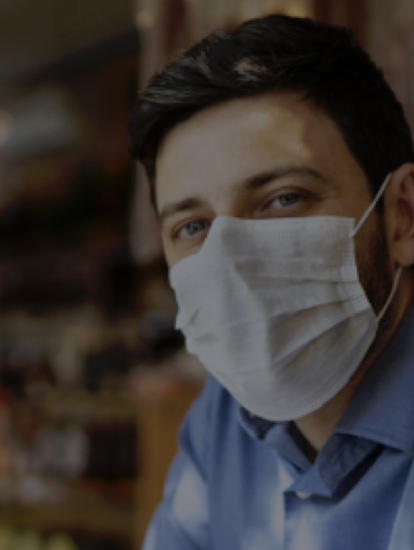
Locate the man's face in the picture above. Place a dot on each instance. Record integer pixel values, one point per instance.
(274, 156)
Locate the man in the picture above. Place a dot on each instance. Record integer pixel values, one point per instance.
(282, 172)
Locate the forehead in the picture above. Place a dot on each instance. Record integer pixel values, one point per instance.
(224, 144)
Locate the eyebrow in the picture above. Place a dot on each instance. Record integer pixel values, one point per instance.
(258, 180)
(180, 206)
(249, 184)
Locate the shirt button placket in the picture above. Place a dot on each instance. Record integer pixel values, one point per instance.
(296, 528)
(303, 495)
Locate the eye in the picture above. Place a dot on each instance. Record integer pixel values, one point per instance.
(190, 229)
(285, 203)
(288, 199)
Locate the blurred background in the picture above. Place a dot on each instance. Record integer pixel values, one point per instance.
(93, 377)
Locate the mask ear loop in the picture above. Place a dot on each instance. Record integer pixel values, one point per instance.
(391, 294)
(371, 206)
(358, 227)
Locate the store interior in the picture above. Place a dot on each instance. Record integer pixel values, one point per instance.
(94, 378)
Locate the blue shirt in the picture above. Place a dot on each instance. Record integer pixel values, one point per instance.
(242, 483)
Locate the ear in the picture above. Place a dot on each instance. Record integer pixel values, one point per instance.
(399, 215)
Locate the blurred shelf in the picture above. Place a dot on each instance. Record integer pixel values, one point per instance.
(110, 507)
(83, 405)
(107, 520)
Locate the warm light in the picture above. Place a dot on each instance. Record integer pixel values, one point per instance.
(145, 18)
(296, 9)
(254, 8)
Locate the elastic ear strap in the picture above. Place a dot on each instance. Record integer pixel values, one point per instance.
(391, 295)
(371, 206)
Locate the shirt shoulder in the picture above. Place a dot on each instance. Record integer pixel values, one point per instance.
(183, 518)
(211, 415)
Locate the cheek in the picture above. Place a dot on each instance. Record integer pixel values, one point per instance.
(168, 254)
(373, 261)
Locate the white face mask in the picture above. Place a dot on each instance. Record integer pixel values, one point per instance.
(275, 311)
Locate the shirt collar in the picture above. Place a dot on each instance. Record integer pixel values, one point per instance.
(382, 409)
(255, 426)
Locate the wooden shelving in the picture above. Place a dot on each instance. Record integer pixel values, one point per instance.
(102, 508)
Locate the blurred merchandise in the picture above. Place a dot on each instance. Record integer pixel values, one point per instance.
(39, 123)
(60, 541)
(16, 539)
(82, 453)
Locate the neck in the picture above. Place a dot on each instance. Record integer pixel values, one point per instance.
(318, 426)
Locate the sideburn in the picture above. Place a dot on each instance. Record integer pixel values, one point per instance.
(375, 269)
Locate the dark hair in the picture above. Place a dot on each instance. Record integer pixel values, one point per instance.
(279, 54)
